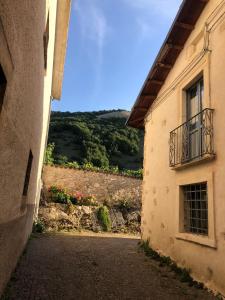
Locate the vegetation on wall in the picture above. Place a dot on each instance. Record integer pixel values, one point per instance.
(90, 167)
(61, 195)
(104, 218)
(86, 137)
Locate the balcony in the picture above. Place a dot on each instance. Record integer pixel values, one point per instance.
(193, 140)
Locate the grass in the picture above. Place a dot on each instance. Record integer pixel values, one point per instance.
(183, 274)
(38, 226)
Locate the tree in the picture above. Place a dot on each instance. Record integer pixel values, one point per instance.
(48, 159)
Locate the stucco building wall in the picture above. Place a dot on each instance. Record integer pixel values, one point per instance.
(205, 256)
(23, 119)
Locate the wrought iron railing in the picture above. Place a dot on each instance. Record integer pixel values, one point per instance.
(193, 139)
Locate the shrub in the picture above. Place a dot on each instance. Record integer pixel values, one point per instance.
(124, 204)
(88, 200)
(112, 170)
(38, 226)
(59, 195)
(104, 218)
(61, 160)
(49, 160)
(73, 164)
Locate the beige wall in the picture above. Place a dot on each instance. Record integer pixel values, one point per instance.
(205, 256)
(23, 119)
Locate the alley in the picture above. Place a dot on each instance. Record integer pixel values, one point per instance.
(66, 266)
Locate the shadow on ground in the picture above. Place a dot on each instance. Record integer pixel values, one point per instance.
(66, 266)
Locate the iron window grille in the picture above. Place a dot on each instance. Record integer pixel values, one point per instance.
(193, 139)
(195, 208)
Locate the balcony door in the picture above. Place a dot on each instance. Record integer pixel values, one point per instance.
(194, 120)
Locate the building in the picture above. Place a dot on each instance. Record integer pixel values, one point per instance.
(33, 38)
(181, 106)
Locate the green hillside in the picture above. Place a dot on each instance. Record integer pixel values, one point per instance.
(103, 141)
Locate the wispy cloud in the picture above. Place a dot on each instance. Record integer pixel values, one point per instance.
(93, 23)
(94, 30)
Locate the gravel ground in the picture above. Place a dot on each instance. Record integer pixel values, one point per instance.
(69, 266)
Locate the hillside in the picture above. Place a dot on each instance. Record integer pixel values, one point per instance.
(98, 137)
(124, 114)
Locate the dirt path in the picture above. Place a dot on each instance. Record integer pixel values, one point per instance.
(65, 266)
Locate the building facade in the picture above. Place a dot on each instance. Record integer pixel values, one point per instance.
(33, 37)
(181, 106)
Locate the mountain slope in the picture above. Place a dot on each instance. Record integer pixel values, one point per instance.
(88, 137)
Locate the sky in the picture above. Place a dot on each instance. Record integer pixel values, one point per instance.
(111, 47)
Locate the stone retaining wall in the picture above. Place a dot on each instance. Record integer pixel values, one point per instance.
(105, 187)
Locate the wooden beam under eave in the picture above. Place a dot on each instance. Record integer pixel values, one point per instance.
(173, 46)
(154, 81)
(136, 120)
(149, 96)
(142, 109)
(165, 66)
(185, 25)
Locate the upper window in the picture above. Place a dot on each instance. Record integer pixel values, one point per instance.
(194, 121)
(195, 99)
(193, 140)
(27, 176)
(195, 208)
(3, 83)
(46, 40)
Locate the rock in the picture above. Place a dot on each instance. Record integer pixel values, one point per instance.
(117, 220)
(57, 216)
(87, 210)
(133, 216)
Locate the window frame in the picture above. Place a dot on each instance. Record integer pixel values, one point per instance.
(193, 178)
(195, 208)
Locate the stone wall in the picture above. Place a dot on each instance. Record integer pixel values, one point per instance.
(105, 187)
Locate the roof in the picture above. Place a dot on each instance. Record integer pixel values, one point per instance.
(183, 25)
(61, 34)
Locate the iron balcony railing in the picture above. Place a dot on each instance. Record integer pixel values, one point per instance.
(193, 139)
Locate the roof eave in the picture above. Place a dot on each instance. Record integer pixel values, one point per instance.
(138, 122)
(61, 36)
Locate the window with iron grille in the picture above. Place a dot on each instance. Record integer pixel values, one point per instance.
(195, 208)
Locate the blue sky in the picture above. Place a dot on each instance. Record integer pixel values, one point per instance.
(111, 47)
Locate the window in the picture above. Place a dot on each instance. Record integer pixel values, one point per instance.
(195, 208)
(3, 83)
(192, 141)
(45, 41)
(27, 177)
(194, 120)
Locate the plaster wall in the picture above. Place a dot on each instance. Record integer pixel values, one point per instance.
(205, 256)
(23, 119)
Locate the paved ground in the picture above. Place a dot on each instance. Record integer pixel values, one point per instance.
(93, 267)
